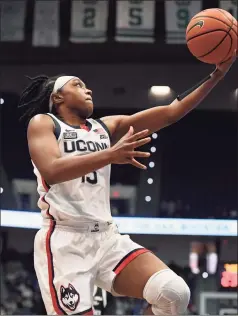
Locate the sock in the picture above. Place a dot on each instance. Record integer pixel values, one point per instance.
(193, 262)
(212, 260)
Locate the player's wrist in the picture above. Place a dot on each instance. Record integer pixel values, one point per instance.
(111, 155)
(217, 75)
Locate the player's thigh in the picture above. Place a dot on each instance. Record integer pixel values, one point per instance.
(126, 267)
(133, 278)
(65, 283)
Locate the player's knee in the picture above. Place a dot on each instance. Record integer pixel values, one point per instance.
(167, 293)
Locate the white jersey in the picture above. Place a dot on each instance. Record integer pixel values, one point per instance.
(82, 199)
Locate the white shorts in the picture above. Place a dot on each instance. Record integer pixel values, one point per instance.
(70, 260)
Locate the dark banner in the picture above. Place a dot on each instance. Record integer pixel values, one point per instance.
(98, 30)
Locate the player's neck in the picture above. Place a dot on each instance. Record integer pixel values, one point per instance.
(71, 118)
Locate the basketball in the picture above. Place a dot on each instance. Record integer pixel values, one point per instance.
(212, 36)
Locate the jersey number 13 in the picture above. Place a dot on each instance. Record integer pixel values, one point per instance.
(91, 178)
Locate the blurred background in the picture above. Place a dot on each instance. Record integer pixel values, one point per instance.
(133, 55)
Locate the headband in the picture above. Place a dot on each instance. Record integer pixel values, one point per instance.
(59, 83)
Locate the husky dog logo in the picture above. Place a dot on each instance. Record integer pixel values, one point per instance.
(96, 228)
(69, 297)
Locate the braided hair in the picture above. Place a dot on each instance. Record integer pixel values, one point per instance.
(35, 98)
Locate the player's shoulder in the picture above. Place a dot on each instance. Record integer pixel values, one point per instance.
(40, 121)
(112, 122)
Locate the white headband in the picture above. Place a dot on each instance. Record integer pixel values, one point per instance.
(59, 83)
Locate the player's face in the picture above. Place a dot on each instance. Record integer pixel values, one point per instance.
(78, 97)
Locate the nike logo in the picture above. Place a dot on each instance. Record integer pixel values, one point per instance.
(199, 23)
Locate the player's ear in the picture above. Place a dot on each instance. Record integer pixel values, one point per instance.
(57, 98)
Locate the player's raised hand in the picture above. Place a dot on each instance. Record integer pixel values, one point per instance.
(123, 152)
(223, 68)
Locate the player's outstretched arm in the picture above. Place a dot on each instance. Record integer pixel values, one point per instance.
(161, 116)
(45, 153)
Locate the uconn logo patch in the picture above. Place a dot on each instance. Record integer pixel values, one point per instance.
(70, 135)
(69, 297)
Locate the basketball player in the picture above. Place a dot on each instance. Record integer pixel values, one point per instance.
(79, 246)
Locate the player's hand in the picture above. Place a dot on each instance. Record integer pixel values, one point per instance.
(223, 68)
(123, 152)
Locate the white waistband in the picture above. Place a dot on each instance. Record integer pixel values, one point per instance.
(79, 226)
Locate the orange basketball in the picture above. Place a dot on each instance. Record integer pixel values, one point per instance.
(212, 36)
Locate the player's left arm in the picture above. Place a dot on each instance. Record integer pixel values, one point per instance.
(159, 117)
